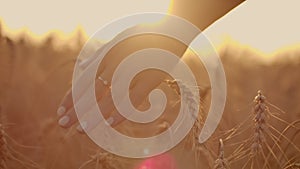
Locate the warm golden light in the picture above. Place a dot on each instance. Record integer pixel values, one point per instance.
(260, 25)
(40, 17)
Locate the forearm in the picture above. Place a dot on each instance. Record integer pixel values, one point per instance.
(202, 13)
(199, 12)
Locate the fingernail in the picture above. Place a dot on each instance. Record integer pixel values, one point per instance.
(82, 126)
(110, 121)
(61, 110)
(64, 121)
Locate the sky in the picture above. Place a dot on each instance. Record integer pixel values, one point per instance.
(263, 24)
(40, 16)
(266, 25)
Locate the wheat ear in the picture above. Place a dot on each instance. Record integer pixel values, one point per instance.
(264, 148)
(191, 95)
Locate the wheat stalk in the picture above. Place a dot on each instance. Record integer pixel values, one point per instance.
(221, 162)
(264, 148)
(104, 160)
(8, 154)
(3, 148)
(191, 95)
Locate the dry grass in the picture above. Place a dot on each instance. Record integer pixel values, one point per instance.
(35, 76)
(3, 148)
(267, 145)
(103, 160)
(221, 162)
(9, 156)
(190, 95)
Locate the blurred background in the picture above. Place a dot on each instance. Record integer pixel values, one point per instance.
(259, 49)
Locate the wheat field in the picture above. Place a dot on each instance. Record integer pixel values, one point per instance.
(259, 129)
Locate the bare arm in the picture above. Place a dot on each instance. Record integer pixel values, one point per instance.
(199, 12)
(202, 13)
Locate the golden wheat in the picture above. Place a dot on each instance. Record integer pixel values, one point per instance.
(264, 148)
(104, 160)
(3, 148)
(191, 95)
(221, 162)
(8, 155)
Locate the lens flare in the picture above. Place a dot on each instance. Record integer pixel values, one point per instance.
(164, 161)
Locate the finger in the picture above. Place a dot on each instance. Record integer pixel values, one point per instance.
(105, 101)
(87, 109)
(85, 102)
(68, 119)
(82, 83)
(164, 121)
(143, 86)
(66, 103)
(91, 120)
(138, 98)
(106, 104)
(115, 118)
(139, 92)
